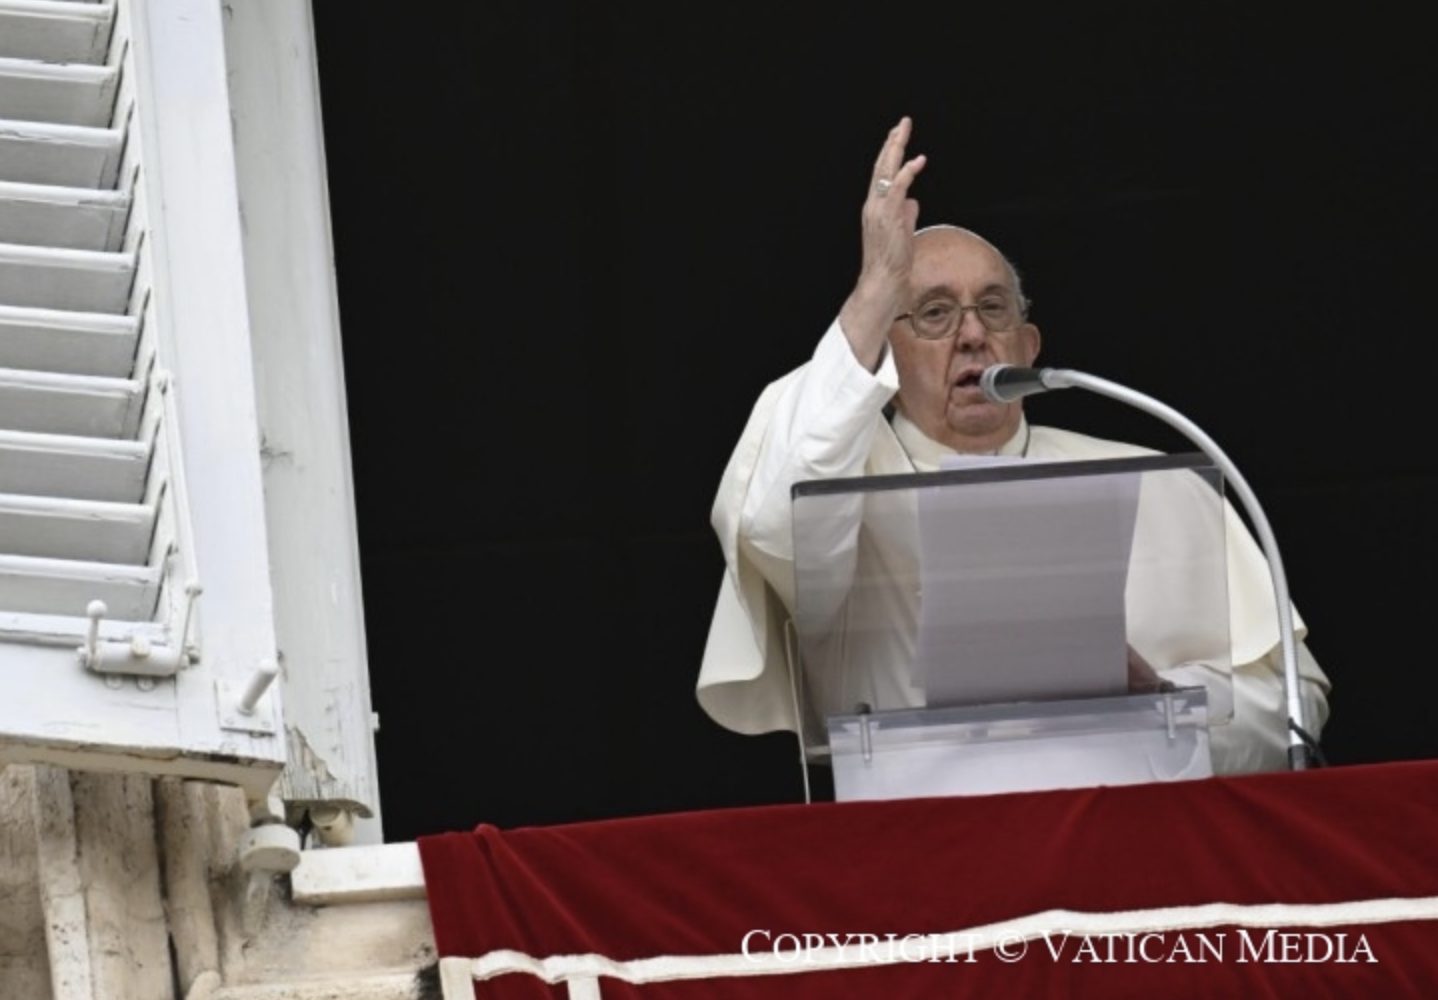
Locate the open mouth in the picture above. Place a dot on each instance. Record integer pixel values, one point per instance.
(968, 377)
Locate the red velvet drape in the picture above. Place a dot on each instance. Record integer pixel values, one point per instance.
(696, 883)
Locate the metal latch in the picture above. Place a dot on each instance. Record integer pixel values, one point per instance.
(137, 656)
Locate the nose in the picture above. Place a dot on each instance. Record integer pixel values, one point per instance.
(971, 334)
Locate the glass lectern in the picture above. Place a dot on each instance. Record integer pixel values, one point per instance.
(1013, 625)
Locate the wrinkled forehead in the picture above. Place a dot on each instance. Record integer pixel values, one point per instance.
(947, 256)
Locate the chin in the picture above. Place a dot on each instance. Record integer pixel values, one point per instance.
(979, 420)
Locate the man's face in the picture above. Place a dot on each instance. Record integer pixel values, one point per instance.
(939, 379)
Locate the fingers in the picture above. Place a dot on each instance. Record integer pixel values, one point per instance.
(889, 197)
(891, 156)
(889, 218)
(906, 175)
(892, 174)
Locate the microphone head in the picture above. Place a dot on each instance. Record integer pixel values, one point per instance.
(1004, 383)
(988, 382)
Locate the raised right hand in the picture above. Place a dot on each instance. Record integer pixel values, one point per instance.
(889, 217)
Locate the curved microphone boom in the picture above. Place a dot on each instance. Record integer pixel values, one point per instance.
(1006, 383)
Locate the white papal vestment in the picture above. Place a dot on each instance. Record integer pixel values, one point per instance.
(826, 420)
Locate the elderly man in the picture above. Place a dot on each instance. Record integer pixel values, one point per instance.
(930, 310)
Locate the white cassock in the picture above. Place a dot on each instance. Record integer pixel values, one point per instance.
(826, 420)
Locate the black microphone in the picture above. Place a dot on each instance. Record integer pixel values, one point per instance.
(1006, 383)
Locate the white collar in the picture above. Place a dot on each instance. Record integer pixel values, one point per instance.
(927, 455)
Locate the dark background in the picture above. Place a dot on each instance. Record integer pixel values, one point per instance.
(574, 243)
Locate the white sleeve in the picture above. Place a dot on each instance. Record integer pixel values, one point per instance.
(817, 422)
(1256, 738)
(822, 427)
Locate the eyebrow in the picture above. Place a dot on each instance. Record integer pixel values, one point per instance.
(949, 290)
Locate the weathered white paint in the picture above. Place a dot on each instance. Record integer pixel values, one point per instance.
(45, 153)
(92, 858)
(54, 30)
(55, 711)
(299, 368)
(51, 216)
(62, 93)
(365, 874)
(210, 446)
(183, 250)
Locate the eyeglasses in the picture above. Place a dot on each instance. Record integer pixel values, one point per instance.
(940, 318)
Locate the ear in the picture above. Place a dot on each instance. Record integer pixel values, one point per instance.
(1029, 343)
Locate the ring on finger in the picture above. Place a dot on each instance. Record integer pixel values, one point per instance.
(882, 185)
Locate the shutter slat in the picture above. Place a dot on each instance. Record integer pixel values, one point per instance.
(40, 153)
(53, 465)
(74, 218)
(71, 280)
(88, 530)
(60, 93)
(82, 405)
(55, 31)
(65, 587)
(50, 340)
(72, 524)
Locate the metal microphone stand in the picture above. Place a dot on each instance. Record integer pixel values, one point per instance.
(1300, 742)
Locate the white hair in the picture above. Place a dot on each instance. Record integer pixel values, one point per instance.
(1008, 264)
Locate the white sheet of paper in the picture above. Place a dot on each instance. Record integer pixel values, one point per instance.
(1022, 587)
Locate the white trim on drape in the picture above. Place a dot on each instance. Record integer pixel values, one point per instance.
(581, 972)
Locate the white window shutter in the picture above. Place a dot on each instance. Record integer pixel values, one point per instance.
(74, 524)
(129, 445)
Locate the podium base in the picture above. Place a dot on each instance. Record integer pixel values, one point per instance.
(1029, 746)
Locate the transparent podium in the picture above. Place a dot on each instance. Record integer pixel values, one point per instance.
(1012, 625)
